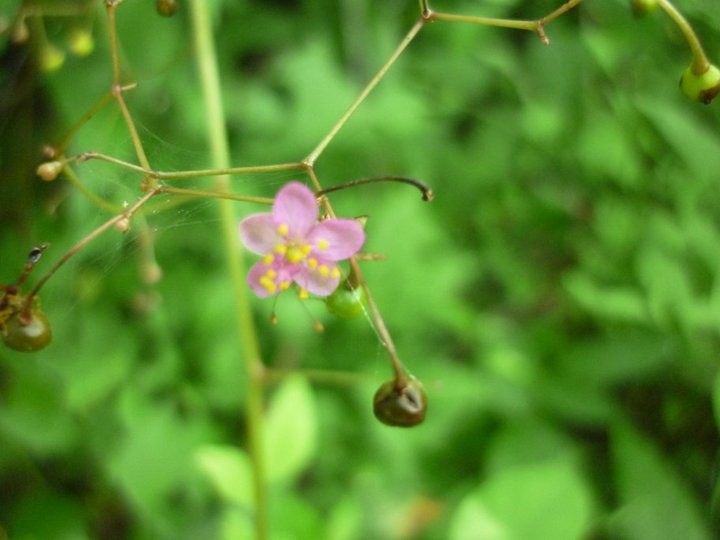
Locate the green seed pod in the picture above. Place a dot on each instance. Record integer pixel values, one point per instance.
(403, 406)
(703, 87)
(29, 335)
(641, 7)
(166, 8)
(346, 302)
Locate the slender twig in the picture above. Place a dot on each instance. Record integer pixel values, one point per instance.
(127, 214)
(427, 193)
(700, 62)
(183, 175)
(215, 195)
(537, 26)
(312, 157)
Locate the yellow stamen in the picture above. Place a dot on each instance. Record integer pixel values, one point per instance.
(335, 272)
(303, 294)
(324, 270)
(280, 249)
(295, 255)
(323, 244)
(282, 229)
(268, 259)
(268, 284)
(284, 285)
(306, 249)
(271, 273)
(312, 263)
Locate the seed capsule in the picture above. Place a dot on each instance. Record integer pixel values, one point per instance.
(347, 302)
(27, 334)
(166, 8)
(703, 87)
(400, 406)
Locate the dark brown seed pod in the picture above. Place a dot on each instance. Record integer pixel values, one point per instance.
(400, 403)
(27, 333)
(166, 8)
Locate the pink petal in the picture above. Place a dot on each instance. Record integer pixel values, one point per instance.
(295, 206)
(282, 273)
(336, 239)
(317, 282)
(259, 233)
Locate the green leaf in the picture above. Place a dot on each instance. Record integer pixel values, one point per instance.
(547, 500)
(228, 469)
(290, 430)
(656, 504)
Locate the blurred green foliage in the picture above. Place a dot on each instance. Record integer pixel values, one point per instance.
(560, 298)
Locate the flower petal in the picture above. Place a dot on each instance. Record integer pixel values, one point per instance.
(268, 279)
(321, 280)
(259, 233)
(336, 239)
(296, 207)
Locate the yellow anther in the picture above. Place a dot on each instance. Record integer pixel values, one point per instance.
(335, 272)
(295, 255)
(323, 244)
(303, 294)
(268, 259)
(312, 263)
(324, 270)
(306, 249)
(282, 229)
(271, 273)
(268, 284)
(284, 285)
(280, 249)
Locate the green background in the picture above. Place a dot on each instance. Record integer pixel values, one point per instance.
(560, 298)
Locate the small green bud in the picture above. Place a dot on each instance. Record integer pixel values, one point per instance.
(641, 7)
(51, 58)
(27, 332)
(81, 42)
(703, 87)
(346, 302)
(401, 406)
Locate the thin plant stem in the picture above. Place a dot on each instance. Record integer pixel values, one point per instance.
(127, 214)
(77, 184)
(700, 62)
(92, 111)
(537, 26)
(182, 175)
(217, 133)
(313, 156)
(427, 193)
(215, 195)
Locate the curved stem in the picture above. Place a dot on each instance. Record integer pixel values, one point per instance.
(427, 193)
(217, 133)
(215, 195)
(700, 62)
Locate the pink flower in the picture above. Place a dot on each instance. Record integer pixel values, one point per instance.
(296, 247)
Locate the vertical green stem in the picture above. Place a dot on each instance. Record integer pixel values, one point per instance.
(217, 133)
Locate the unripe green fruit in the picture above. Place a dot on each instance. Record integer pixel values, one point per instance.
(703, 87)
(29, 335)
(641, 7)
(346, 302)
(402, 406)
(166, 8)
